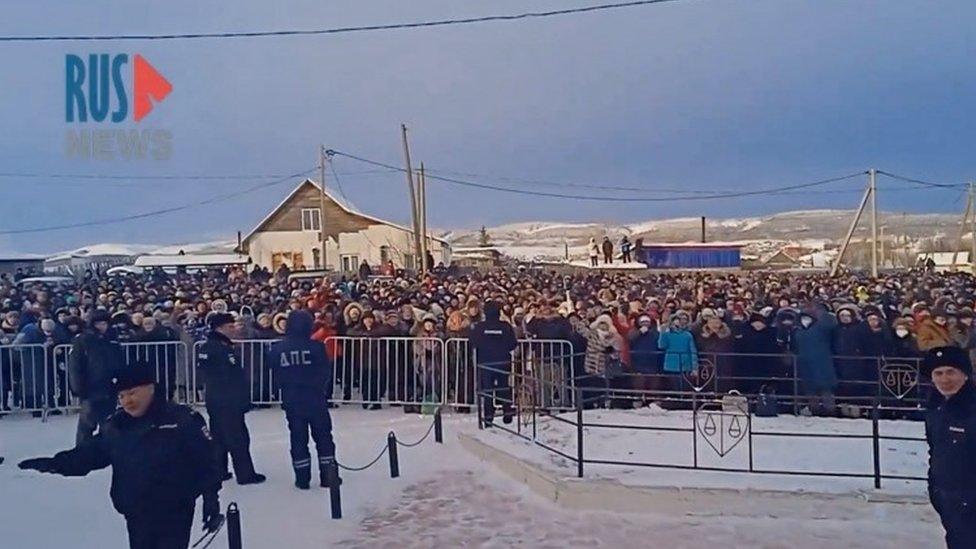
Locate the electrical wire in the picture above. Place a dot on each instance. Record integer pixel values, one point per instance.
(149, 177)
(923, 182)
(156, 213)
(336, 30)
(606, 198)
(644, 190)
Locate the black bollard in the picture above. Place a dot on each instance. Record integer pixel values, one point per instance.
(438, 428)
(335, 498)
(233, 526)
(391, 446)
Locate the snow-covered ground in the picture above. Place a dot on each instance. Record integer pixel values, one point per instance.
(445, 497)
(770, 453)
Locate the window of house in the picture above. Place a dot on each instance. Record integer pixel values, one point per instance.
(311, 219)
(349, 263)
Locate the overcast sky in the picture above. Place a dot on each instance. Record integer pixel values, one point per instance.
(697, 95)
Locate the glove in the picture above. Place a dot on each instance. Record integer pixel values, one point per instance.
(42, 465)
(212, 518)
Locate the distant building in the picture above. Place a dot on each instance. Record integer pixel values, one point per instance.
(96, 257)
(291, 235)
(10, 263)
(482, 257)
(784, 258)
(691, 256)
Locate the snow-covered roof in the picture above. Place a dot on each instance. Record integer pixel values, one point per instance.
(345, 205)
(102, 250)
(190, 259)
(733, 244)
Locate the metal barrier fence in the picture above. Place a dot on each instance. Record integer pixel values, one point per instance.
(26, 379)
(406, 371)
(417, 371)
(713, 423)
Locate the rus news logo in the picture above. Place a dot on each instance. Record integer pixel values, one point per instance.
(104, 91)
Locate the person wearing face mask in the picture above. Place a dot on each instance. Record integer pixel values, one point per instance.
(903, 343)
(933, 331)
(815, 367)
(644, 354)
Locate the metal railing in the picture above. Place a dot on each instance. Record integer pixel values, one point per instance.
(27, 380)
(712, 423)
(407, 371)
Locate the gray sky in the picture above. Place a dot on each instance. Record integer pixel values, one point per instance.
(697, 95)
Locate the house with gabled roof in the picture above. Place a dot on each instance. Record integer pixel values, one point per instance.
(291, 234)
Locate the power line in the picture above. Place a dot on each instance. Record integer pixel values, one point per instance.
(156, 213)
(645, 190)
(607, 198)
(923, 182)
(166, 177)
(336, 30)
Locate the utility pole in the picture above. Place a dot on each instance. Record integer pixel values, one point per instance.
(882, 229)
(962, 229)
(874, 223)
(703, 229)
(423, 220)
(322, 236)
(850, 231)
(413, 196)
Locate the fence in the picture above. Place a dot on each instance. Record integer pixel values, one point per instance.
(417, 371)
(396, 370)
(711, 422)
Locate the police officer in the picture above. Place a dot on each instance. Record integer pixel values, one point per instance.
(950, 428)
(96, 358)
(303, 372)
(162, 460)
(227, 399)
(493, 341)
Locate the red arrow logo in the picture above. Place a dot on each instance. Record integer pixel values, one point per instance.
(149, 85)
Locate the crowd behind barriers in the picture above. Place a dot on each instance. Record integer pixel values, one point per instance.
(647, 331)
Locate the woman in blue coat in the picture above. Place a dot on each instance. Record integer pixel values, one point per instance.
(678, 344)
(815, 366)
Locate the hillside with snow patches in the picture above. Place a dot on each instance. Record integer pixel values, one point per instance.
(809, 228)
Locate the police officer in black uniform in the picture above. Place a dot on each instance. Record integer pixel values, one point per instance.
(494, 340)
(303, 372)
(227, 399)
(950, 428)
(96, 359)
(162, 460)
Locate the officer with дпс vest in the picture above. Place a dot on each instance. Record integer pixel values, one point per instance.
(950, 429)
(303, 372)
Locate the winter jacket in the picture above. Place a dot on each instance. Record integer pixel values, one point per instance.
(493, 340)
(223, 377)
(602, 346)
(301, 368)
(645, 358)
(680, 352)
(930, 335)
(813, 347)
(95, 361)
(950, 429)
(161, 462)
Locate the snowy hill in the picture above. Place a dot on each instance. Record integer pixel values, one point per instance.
(809, 228)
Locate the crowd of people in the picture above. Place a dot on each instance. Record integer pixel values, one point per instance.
(649, 331)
